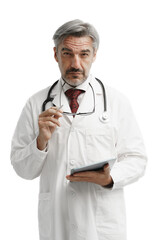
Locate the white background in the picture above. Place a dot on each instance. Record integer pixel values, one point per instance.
(128, 59)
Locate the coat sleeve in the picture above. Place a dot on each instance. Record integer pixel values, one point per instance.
(26, 158)
(131, 155)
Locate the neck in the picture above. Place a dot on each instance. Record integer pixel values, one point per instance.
(68, 83)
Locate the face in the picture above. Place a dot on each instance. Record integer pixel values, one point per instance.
(75, 56)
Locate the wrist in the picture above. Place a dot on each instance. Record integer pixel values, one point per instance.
(109, 183)
(41, 143)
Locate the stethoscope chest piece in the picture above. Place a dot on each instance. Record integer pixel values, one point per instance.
(104, 117)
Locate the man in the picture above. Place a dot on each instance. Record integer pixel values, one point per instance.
(86, 205)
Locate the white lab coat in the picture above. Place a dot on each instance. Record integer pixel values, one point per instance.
(80, 210)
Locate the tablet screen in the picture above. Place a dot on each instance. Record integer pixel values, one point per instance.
(94, 167)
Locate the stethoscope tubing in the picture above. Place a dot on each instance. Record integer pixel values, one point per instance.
(104, 95)
(49, 99)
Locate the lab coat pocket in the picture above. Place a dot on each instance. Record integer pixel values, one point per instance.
(44, 215)
(100, 144)
(110, 213)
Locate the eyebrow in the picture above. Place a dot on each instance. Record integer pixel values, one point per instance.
(66, 49)
(69, 50)
(86, 50)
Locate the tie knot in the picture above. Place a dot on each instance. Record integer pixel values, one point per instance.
(73, 93)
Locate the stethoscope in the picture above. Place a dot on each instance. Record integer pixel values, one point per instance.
(103, 118)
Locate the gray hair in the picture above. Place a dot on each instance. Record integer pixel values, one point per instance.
(76, 28)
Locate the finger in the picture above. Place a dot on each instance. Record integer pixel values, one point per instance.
(51, 119)
(47, 124)
(57, 115)
(58, 109)
(106, 167)
(79, 179)
(50, 112)
(88, 174)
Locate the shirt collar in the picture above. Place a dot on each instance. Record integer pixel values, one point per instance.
(82, 86)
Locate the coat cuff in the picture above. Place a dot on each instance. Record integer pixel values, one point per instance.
(40, 153)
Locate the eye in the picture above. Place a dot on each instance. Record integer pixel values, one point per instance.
(66, 53)
(84, 54)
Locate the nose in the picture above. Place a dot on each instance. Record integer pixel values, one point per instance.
(75, 62)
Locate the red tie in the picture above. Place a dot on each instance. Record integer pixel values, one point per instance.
(72, 95)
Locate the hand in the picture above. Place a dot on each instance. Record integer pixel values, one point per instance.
(101, 177)
(48, 121)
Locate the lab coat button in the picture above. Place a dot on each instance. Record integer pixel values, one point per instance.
(73, 194)
(72, 162)
(74, 226)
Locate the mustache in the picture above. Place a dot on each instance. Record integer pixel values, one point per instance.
(74, 70)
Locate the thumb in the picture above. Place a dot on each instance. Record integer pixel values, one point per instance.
(106, 167)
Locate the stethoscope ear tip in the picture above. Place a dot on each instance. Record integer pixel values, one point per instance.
(104, 117)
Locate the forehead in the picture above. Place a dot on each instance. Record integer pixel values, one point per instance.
(77, 43)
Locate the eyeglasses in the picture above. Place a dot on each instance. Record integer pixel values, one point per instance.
(79, 113)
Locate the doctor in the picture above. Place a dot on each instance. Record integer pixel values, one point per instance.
(87, 205)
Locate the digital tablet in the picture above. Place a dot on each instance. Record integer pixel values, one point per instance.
(94, 167)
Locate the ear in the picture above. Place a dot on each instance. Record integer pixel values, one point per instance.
(55, 54)
(94, 55)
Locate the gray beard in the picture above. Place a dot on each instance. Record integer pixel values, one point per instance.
(70, 83)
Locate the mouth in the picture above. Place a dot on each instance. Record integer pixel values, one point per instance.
(75, 73)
